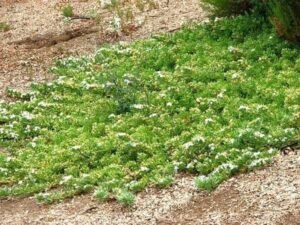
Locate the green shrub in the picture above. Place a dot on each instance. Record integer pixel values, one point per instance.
(285, 16)
(101, 194)
(227, 7)
(67, 11)
(4, 26)
(126, 198)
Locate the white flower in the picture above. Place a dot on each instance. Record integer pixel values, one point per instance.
(212, 146)
(271, 150)
(33, 144)
(126, 81)
(111, 116)
(188, 145)
(153, 115)
(289, 130)
(144, 169)
(27, 115)
(133, 144)
(109, 84)
(243, 107)
(169, 104)
(138, 106)
(120, 134)
(199, 100)
(3, 170)
(116, 23)
(202, 178)
(162, 95)
(14, 135)
(259, 134)
(43, 104)
(65, 179)
(220, 95)
(231, 141)
(190, 165)
(76, 147)
(258, 162)
(198, 138)
(160, 74)
(208, 120)
(235, 75)
(225, 166)
(232, 49)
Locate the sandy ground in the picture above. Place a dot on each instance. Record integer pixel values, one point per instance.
(268, 196)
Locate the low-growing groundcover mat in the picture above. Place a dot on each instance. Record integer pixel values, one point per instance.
(215, 99)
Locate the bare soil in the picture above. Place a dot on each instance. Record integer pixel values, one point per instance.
(39, 36)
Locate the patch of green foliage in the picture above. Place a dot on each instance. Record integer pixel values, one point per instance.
(215, 100)
(4, 26)
(227, 7)
(285, 16)
(67, 11)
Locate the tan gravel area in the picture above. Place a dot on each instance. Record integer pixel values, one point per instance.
(268, 196)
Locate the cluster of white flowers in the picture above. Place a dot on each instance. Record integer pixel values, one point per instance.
(138, 106)
(160, 74)
(243, 107)
(153, 115)
(225, 166)
(44, 104)
(144, 169)
(27, 115)
(212, 146)
(65, 179)
(116, 24)
(221, 94)
(289, 130)
(187, 145)
(235, 76)
(109, 84)
(76, 147)
(111, 116)
(198, 138)
(121, 134)
(258, 162)
(191, 165)
(259, 134)
(208, 121)
(203, 178)
(133, 144)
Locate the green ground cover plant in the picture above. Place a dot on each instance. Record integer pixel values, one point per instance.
(67, 11)
(214, 99)
(4, 27)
